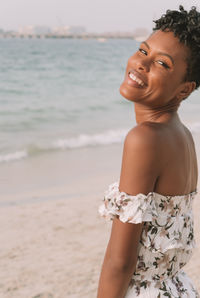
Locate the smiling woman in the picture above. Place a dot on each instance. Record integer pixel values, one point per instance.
(159, 66)
(152, 234)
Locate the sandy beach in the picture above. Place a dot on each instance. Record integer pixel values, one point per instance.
(62, 124)
(52, 237)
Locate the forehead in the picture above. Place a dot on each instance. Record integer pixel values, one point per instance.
(167, 43)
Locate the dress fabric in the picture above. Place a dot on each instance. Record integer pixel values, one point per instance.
(166, 243)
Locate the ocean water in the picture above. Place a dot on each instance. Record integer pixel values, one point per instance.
(63, 94)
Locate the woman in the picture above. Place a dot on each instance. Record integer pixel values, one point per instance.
(151, 207)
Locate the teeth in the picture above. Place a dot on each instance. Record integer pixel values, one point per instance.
(134, 78)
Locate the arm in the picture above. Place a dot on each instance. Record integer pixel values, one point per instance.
(138, 175)
(117, 270)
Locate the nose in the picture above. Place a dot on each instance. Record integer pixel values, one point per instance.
(143, 64)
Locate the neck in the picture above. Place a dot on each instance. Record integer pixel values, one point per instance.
(164, 114)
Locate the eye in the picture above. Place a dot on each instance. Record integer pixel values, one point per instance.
(143, 51)
(162, 63)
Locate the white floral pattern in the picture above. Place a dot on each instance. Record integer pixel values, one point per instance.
(166, 243)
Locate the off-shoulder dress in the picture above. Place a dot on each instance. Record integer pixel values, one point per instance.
(166, 243)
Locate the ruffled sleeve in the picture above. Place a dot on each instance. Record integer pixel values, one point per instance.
(132, 209)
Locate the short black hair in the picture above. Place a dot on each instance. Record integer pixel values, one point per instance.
(186, 26)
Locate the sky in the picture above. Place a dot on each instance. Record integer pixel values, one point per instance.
(95, 15)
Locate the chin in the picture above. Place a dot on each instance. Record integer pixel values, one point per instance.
(126, 93)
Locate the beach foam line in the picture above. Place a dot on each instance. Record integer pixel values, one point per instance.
(83, 140)
(13, 156)
(86, 140)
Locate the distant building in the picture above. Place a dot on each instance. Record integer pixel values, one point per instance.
(61, 30)
(68, 30)
(34, 30)
(42, 30)
(140, 34)
(26, 30)
(77, 30)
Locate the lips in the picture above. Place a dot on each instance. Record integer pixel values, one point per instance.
(136, 79)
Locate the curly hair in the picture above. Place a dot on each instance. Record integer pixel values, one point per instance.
(186, 26)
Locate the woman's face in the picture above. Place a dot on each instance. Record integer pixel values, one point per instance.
(155, 73)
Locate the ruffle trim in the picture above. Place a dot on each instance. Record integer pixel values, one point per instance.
(132, 209)
(163, 234)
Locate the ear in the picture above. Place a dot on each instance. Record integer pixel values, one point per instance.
(186, 90)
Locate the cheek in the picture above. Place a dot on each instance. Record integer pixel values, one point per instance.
(157, 83)
(161, 80)
(164, 88)
(160, 86)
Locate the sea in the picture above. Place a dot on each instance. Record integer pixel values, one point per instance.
(63, 95)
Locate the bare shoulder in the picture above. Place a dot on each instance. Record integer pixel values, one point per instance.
(146, 135)
(141, 161)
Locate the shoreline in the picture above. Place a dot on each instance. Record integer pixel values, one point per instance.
(70, 173)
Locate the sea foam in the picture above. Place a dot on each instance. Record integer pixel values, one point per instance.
(87, 140)
(13, 156)
(80, 141)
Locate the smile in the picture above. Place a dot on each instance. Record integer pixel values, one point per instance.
(135, 79)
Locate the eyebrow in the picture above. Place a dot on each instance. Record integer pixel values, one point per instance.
(160, 53)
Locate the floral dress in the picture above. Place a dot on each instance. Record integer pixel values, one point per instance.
(166, 242)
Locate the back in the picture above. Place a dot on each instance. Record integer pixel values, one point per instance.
(179, 171)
